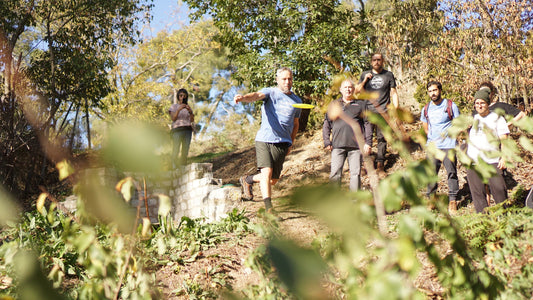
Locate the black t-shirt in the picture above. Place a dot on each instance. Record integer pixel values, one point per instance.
(342, 135)
(381, 83)
(508, 108)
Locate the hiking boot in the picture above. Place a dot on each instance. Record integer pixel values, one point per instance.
(363, 171)
(452, 207)
(380, 170)
(247, 189)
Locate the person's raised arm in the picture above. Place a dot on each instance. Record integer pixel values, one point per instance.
(361, 85)
(248, 98)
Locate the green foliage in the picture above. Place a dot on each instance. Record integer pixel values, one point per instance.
(505, 237)
(450, 40)
(364, 262)
(148, 77)
(56, 56)
(316, 39)
(98, 248)
(270, 286)
(193, 236)
(376, 266)
(69, 249)
(133, 146)
(300, 269)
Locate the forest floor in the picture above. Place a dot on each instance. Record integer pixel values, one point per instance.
(308, 163)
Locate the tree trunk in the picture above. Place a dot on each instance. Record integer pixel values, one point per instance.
(526, 99)
(72, 134)
(61, 128)
(88, 124)
(8, 116)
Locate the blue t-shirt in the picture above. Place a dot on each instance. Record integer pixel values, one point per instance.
(438, 124)
(277, 116)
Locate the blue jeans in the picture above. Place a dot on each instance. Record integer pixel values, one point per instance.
(338, 156)
(181, 140)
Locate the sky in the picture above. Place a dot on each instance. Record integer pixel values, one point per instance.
(167, 15)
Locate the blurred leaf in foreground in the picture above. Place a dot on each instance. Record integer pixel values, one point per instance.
(300, 269)
(33, 283)
(8, 209)
(102, 202)
(135, 147)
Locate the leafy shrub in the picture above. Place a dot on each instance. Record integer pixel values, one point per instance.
(103, 262)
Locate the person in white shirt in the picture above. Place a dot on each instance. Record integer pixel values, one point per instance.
(483, 145)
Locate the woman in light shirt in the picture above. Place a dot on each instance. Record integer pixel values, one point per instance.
(483, 145)
(182, 128)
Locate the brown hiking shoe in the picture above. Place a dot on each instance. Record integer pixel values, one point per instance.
(247, 189)
(452, 207)
(380, 170)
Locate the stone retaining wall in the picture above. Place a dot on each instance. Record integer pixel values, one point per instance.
(192, 189)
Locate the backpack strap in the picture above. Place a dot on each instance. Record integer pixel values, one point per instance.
(426, 112)
(449, 110)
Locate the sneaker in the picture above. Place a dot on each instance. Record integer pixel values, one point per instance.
(247, 190)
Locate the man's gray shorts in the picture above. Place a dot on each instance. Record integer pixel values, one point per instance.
(271, 155)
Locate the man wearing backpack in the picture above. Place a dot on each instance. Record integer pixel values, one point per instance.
(436, 118)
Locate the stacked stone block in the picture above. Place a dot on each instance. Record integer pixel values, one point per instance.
(192, 189)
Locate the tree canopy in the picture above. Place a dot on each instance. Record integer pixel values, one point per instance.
(54, 59)
(316, 39)
(460, 43)
(148, 76)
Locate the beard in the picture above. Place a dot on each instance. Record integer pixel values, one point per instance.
(436, 98)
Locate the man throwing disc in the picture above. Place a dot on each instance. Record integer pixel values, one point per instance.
(276, 135)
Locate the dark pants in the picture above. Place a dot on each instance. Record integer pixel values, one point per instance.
(382, 144)
(477, 188)
(451, 170)
(181, 140)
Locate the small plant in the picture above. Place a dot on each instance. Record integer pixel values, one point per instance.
(505, 237)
